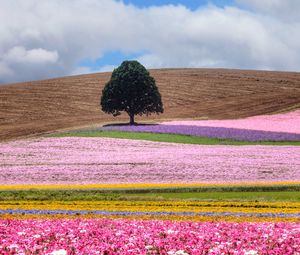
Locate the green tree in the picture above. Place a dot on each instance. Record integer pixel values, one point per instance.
(131, 89)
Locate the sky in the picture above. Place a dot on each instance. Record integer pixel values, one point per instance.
(53, 38)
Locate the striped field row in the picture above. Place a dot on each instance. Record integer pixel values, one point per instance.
(145, 185)
(252, 207)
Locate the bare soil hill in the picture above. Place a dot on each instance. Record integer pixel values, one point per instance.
(37, 107)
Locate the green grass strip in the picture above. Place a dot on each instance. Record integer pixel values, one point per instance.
(229, 196)
(290, 193)
(173, 138)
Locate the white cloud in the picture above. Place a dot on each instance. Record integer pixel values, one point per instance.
(40, 56)
(287, 10)
(230, 37)
(87, 70)
(50, 38)
(107, 68)
(81, 70)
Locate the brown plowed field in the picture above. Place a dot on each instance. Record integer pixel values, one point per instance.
(42, 106)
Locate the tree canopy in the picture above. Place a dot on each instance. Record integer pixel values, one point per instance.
(131, 89)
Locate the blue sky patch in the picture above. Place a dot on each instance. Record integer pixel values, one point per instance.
(191, 4)
(110, 58)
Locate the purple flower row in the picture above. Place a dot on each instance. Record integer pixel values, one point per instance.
(212, 132)
(126, 213)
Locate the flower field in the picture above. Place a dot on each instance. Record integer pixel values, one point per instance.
(283, 123)
(280, 127)
(81, 160)
(149, 227)
(212, 132)
(131, 237)
(108, 196)
(140, 208)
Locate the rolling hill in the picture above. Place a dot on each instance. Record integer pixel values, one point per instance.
(37, 107)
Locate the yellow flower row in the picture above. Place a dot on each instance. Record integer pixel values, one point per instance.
(157, 206)
(198, 218)
(141, 185)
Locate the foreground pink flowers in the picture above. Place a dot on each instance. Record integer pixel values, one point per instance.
(285, 122)
(132, 237)
(79, 160)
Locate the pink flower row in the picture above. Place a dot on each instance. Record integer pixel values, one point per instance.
(285, 122)
(132, 237)
(79, 160)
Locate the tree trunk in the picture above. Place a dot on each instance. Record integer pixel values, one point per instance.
(131, 119)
